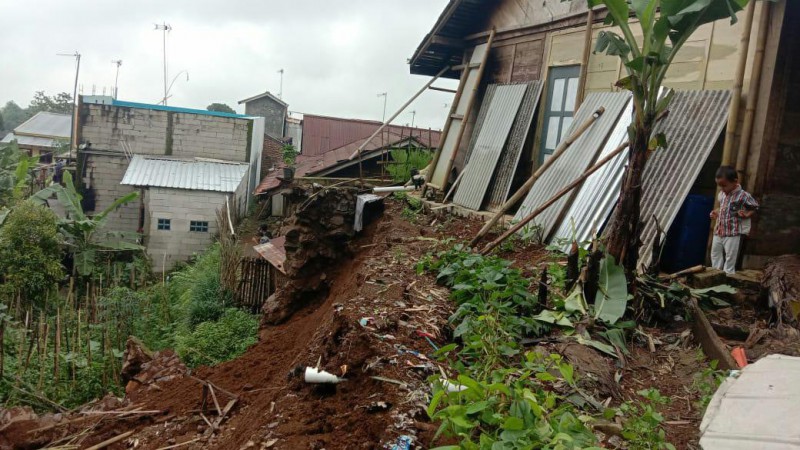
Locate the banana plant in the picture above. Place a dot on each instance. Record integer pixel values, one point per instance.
(81, 230)
(15, 167)
(665, 25)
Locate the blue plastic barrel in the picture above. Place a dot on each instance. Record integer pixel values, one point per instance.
(687, 238)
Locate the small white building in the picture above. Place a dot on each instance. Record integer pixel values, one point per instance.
(179, 202)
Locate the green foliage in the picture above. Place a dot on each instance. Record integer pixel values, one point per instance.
(13, 116)
(405, 159)
(81, 231)
(413, 206)
(707, 382)
(220, 107)
(60, 103)
(289, 154)
(15, 174)
(30, 253)
(642, 421)
(214, 342)
(612, 292)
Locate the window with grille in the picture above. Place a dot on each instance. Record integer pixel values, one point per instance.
(198, 226)
(164, 224)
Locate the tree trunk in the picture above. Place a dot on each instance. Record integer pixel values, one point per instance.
(623, 232)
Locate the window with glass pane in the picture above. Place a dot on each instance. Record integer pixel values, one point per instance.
(164, 224)
(562, 93)
(198, 226)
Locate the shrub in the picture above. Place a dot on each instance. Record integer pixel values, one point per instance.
(30, 253)
(215, 342)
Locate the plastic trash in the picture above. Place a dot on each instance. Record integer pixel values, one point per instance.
(402, 443)
(314, 375)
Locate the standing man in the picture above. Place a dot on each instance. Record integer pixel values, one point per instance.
(736, 207)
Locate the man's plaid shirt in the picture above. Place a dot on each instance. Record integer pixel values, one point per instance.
(729, 223)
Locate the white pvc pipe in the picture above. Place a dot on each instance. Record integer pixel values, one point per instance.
(378, 190)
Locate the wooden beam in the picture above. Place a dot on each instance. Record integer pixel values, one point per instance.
(436, 88)
(736, 91)
(705, 335)
(447, 41)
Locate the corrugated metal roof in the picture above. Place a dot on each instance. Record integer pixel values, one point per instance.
(502, 110)
(756, 410)
(274, 252)
(196, 174)
(322, 134)
(31, 140)
(46, 124)
(509, 160)
(579, 157)
(693, 126)
(599, 193)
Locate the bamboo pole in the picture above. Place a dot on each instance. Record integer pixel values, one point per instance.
(455, 184)
(467, 111)
(554, 199)
(57, 344)
(736, 91)
(752, 95)
(394, 116)
(587, 53)
(523, 190)
(110, 441)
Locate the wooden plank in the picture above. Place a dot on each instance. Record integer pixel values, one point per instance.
(528, 58)
(705, 335)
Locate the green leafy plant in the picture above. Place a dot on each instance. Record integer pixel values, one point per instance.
(30, 253)
(666, 25)
(214, 342)
(403, 160)
(642, 421)
(289, 154)
(706, 383)
(81, 231)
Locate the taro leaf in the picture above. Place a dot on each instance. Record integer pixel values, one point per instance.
(612, 292)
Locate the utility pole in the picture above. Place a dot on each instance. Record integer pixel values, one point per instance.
(165, 28)
(77, 57)
(280, 92)
(384, 95)
(118, 62)
(413, 116)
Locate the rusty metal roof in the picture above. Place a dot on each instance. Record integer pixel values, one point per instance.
(274, 252)
(577, 158)
(322, 134)
(501, 109)
(694, 124)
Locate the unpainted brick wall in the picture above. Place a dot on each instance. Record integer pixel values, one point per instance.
(272, 155)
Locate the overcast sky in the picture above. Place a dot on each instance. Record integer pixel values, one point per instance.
(337, 54)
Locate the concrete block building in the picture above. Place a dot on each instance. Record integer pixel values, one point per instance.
(272, 109)
(180, 200)
(114, 134)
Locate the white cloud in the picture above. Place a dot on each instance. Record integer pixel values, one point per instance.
(337, 54)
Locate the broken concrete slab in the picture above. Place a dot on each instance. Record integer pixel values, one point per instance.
(757, 409)
(707, 279)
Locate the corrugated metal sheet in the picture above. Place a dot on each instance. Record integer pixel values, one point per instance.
(579, 157)
(197, 174)
(599, 193)
(692, 127)
(439, 176)
(322, 134)
(45, 124)
(502, 109)
(509, 160)
(31, 141)
(274, 252)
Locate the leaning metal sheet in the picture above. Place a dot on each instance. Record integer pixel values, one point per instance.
(599, 193)
(578, 157)
(489, 145)
(693, 126)
(448, 148)
(509, 160)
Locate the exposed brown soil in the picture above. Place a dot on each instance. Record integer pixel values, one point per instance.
(378, 287)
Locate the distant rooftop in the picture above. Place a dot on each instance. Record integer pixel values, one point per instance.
(41, 130)
(124, 104)
(265, 94)
(195, 174)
